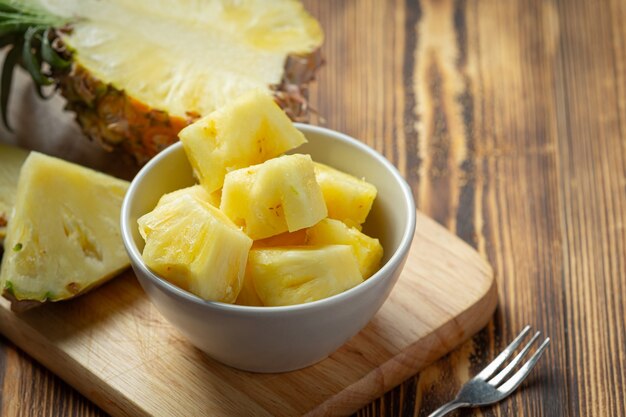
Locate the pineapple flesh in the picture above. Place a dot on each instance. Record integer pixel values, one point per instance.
(11, 160)
(136, 72)
(347, 197)
(367, 250)
(247, 132)
(274, 197)
(190, 243)
(64, 237)
(297, 275)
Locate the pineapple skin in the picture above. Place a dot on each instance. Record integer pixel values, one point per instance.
(114, 120)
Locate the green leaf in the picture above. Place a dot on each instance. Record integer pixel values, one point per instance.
(30, 57)
(5, 81)
(50, 55)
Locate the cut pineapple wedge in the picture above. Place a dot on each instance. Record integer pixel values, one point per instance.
(348, 198)
(195, 246)
(296, 275)
(11, 160)
(368, 251)
(64, 237)
(249, 131)
(276, 196)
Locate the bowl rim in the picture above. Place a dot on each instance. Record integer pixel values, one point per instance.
(394, 261)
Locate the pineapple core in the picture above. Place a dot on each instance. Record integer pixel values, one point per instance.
(249, 131)
(348, 198)
(297, 275)
(196, 247)
(276, 196)
(64, 237)
(368, 251)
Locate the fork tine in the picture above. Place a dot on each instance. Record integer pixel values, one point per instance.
(523, 372)
(503, 356)
(495, 381)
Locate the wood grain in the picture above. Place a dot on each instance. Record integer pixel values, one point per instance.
(507, 118)
(114, 346)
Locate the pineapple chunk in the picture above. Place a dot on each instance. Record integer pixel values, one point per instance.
(249, 131)
(368, 251)
(297, 238)
(11, 160)
(64, 235)
(195, 246)
(197, 191)
(248, 295)
(348, 198)
(287, 276)
(276, 196)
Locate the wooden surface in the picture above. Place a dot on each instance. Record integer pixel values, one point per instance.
(115, 348)
(507, 118)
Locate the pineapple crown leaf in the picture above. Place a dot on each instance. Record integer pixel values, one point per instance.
(31, 34)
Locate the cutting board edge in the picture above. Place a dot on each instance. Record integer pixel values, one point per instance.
(365, 391)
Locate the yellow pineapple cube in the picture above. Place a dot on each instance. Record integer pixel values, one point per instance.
(297, 238)
(197, 191)
(348, 198)
(64, 236)
(249, 131)
(296, 275)
(368, 250)
(276, 196)
(195, 246)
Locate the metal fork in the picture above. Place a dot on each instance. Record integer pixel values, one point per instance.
(485, 388)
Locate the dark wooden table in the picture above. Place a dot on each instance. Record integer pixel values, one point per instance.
(507, 118)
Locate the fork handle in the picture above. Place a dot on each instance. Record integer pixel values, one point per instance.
(446, 408)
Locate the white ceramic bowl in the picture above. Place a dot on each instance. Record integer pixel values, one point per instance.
(278, 339)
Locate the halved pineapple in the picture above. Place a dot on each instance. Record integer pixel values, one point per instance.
(368, 250)
(348, 198)
(249, 131)
(136, 72)
(276, 196)
(64, 237)
(296, 275)
(195, 246)
(11, 160)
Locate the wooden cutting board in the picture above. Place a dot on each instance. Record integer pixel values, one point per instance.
(116, 349)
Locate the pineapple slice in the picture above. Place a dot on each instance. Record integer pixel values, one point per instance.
(296, 275)
(247, 132)
(195, 246)
(11, 160)
(368, 251)
(276, 196)
(64, 236)
(348, 198)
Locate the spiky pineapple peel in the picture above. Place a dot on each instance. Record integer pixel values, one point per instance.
(135, 73)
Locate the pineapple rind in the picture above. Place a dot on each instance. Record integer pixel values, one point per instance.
(249, 131)
(297, 275)
(68, 245)
(347, 197)
(192, 244)
(367, 250)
